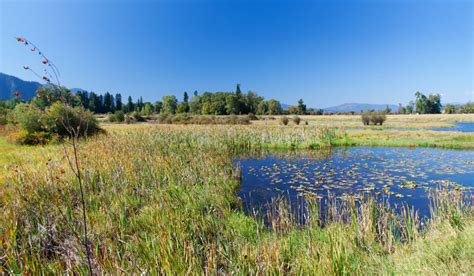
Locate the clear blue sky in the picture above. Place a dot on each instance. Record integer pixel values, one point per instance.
(326, 52)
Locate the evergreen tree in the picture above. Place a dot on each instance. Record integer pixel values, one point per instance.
(107, 103)
(130, 106)
(238, 92)
(118, 101)
(301, 107)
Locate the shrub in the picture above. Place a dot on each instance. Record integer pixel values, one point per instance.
(62, 119)
(3, 115)
(377, 118)
(111, 117)
(366, 118)
(182, 118)
(128, 119)
(29, 117)
(119, 116)
(252, 117)
(137, 117)
(296, 120)
(164, 118)
(284, 120)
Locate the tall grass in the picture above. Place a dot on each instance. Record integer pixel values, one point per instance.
(161, 199)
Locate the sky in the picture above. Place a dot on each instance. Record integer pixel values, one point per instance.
(326, 52)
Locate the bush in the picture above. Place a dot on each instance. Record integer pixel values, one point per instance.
(128, 120)
(34, 126)
(365, 118)
(119, 116)
(252, 117)
(296, 120)
(29, 117)
(63, 119)
(137, 117)
(164, 118)
(377, 118)
(284, 120)
(111, 117)
(3, 115)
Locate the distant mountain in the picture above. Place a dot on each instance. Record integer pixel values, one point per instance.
(9, 85)
(357, 107)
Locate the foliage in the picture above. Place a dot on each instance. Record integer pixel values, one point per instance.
(161, 200)
(428, 105)
(46, 96)
(366, 118)
(376, 118)
(296, 120)
(169, 104)
(63, 119)
(34, 124)
(450, 109)
(467, 108)
(187, 119)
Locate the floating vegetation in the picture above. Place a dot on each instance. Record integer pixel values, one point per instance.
(404, 175)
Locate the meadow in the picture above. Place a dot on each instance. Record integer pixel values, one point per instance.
(162, 199)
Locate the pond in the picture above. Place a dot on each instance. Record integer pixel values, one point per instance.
(460, 126)
(399, 175)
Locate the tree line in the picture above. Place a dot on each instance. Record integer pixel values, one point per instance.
(207, 103)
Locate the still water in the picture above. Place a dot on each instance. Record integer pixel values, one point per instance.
(399, 175)
(461, 126)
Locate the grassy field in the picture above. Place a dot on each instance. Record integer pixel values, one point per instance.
(425, 121)
(161, 198)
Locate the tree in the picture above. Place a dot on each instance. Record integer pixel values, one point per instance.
(468, 108)
(46, 96)
(232, 104)
(301, 107)
(182, 107)
(108, 103)
(262, 108)
(147, 109)
(449, 109)
(410, 107)
(238, 92)
(387, 110)
(401, 109)
(252, 100)
(94, 102)
(274, 107)
(195, 105)
(158, 106)
(83, 98)
(434, 101)
(428, 105)
(185, 104)
(118, 101)
(169, 104)
(130, 106)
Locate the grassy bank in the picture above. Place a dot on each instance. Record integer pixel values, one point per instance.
(412, 121)
(162, 199)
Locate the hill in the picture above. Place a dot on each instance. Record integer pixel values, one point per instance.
(10, 84)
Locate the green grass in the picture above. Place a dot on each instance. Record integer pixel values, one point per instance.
(161, 199)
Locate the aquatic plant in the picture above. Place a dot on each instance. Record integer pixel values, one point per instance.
(161, 199)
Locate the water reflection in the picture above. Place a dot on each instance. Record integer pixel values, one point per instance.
(399, 175)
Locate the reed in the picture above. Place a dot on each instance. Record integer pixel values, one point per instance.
(161, 199)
